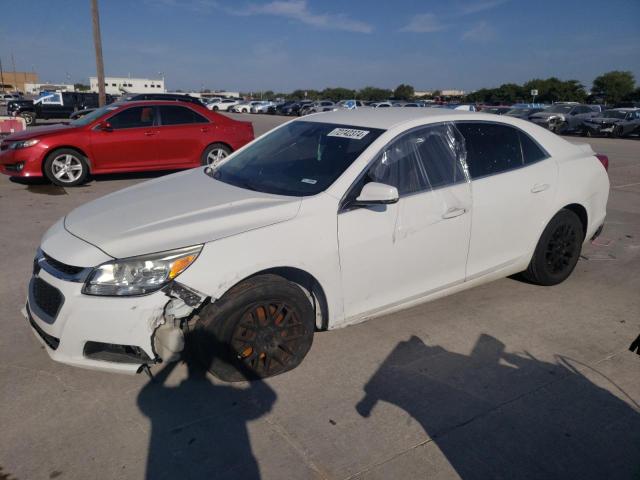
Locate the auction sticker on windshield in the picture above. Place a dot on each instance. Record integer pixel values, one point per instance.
(348, 133)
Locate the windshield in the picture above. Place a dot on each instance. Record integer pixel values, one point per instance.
(559, 109)
(613, 114)
(91, 116)
(298, 159)
(521, 111)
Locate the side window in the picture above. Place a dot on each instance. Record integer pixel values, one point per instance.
(421, 160)
(133, 117)
(531, 152)
(176, 115)
(491, 148)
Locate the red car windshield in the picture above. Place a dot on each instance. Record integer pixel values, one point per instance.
(92, 116)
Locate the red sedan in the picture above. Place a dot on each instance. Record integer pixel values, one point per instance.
(124, 137)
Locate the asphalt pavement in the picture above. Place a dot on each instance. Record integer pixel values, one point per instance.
(507, 380)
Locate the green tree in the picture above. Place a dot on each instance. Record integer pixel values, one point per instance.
(338, 94)
(81, 87)
(614, 86)
(555, 90)
(374, 93)
(404, 92)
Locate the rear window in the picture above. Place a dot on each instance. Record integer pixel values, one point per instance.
(491, 148)
(298, 159)
(176, 115)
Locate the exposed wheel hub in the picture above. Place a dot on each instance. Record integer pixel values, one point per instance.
(267, 335)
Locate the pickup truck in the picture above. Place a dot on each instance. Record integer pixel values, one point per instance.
(53, 105)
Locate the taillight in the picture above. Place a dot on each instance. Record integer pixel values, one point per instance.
(604, 160)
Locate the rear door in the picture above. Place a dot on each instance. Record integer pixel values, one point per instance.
(183, 135)
(130, 144)
(513, 186)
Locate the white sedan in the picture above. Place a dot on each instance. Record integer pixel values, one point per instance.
(222, 104)
(324, 222)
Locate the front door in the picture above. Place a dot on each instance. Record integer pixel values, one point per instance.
(130, 143)
(390, 254)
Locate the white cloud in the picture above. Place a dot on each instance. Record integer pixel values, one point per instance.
(480, 32)
(299, 10)
(424, 23)
(479, 6)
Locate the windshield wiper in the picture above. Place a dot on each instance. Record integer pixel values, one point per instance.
(216, 175)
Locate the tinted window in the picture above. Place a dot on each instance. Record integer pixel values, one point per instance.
(179, 116)
(133, 117)
(491, 148)
(420, 160)
(301, 158)
(530, 150)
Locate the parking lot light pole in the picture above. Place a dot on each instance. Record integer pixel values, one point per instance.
(97, 42)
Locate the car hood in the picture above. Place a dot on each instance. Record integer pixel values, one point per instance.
(179, 210)
(40, 131)
(546, 115)
(605, 120)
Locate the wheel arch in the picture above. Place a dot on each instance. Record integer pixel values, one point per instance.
(68, 147)
(308, 283)
(582, 214)
(226, 144)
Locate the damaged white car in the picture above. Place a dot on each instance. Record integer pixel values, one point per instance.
(323, 222)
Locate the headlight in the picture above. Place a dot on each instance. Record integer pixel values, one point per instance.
(139, 275)
(24, 143)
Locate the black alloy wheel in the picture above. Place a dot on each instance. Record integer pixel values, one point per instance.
(561, 249)
(558, 250)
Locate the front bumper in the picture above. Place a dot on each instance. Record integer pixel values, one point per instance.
(29, 159)
(88, 331)
(598, 129)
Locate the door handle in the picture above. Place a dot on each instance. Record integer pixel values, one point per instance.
(539, 187)
(204, 130)
(454, 212)
(150, 134)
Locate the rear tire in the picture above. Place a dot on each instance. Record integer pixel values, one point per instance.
(260, 328)
(214, 154)
(558, 250)
(66, 167)
(29, 118)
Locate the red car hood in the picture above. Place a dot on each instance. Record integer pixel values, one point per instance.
(39, 131)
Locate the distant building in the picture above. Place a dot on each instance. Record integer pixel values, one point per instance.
(218, 93)
(36, 88)
(121, 85)
(443, 93)
(12, 81)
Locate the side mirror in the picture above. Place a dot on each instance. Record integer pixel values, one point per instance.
(105, 126)
(374, 193)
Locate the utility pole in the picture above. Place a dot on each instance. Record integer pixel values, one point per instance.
(1, 76)
(97, 42)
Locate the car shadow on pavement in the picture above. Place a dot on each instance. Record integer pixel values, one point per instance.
(106, 177)
(502, 415)
(198, 428)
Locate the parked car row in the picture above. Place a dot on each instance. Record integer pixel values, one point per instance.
(570, 117)
(128, 136)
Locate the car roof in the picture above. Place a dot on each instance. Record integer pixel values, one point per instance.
(156, 102)
(386, 118)
(624, 109)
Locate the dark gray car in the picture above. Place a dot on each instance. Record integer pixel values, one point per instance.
(618, 122)
(523, 113)
(563, 117)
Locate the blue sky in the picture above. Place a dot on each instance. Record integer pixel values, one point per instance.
(287, 44)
